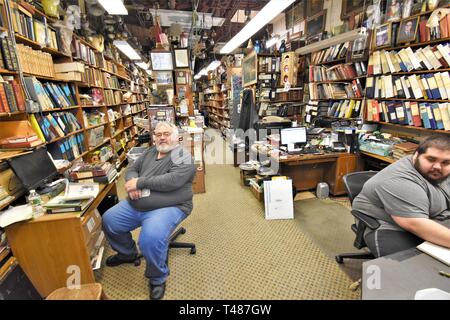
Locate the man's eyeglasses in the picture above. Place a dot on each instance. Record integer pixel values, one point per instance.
(161, 134)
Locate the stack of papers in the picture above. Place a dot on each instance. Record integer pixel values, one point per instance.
(16, 214)
(440, 253)
(81, 191)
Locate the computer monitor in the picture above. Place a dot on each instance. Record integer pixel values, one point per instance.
(34, 169)
(293, 136)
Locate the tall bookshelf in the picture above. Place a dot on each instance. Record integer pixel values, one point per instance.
(113, 82)
(215, 101)
(408, 83)
(335, 84)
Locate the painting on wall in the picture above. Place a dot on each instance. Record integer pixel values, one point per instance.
(250, 70)
(313, 7)
(350, 7)
(316, 24)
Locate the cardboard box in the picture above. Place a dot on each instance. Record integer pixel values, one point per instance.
(69, 67)
(259, 194)
(69, 76)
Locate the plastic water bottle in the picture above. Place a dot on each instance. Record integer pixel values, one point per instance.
(36, 204)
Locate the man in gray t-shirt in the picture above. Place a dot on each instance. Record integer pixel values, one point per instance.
(410, 199)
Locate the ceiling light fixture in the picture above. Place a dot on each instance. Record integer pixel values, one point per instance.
(127, 50)
(345, 37)
(114, 7)
(142, 65)
(267, 14)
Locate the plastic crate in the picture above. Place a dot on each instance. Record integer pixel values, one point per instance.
(135, 153)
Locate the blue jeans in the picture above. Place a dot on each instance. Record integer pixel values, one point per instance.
(157, 226)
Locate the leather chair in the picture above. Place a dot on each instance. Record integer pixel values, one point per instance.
(354, 183)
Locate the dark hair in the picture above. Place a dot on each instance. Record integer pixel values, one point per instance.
(438, 141)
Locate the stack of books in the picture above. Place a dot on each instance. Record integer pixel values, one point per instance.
(403, 149)
(103, 173)
(20, 142)
(59, 204)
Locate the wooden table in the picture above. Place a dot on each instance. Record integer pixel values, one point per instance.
(307, 170)
(55, 250)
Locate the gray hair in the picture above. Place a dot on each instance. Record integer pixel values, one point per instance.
(173, 128)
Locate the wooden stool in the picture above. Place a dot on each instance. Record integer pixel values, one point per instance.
(90, 291)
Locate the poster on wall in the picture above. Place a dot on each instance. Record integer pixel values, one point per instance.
(250, 70)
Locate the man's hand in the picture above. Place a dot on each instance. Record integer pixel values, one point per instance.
(131, 185)
(135, 195)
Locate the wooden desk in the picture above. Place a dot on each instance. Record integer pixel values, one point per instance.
(401, 275)
(55, 249)
(306, 171)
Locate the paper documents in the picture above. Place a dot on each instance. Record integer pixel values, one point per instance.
(80, 191)
(440, 253)
(16, 214)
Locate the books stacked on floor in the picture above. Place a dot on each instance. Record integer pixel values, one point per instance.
(428, 115)
(59, 204)
(103, 173)
(20, 142)
(403, 149)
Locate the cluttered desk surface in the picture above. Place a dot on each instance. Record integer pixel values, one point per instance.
(401, 275)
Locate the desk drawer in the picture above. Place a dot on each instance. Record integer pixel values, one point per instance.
(91, 223)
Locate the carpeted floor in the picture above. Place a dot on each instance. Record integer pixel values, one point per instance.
(240, 255)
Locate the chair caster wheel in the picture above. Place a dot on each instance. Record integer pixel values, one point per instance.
(193, 250)
(339, 259)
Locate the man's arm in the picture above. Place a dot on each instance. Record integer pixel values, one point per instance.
(426, 229)
(135, 168)
(177, 176)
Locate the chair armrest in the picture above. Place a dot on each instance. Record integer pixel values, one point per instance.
(368, 221)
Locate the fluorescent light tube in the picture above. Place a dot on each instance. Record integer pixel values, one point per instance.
(127, 49)
(341, 38)
(213, 66)
(142, 65)
(114, 7)
(267, 14)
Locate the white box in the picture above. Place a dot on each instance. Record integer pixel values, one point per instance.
(278, 199)
(69, 67)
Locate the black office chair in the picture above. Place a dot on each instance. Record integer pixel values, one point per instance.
(175, 244)
(354, 183)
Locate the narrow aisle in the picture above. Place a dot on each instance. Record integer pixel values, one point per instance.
(240, 255)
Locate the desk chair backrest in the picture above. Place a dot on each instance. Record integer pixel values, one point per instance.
(354, 182)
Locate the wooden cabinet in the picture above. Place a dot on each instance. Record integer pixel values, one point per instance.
(345, 163)
(194, 142)
(57, 250)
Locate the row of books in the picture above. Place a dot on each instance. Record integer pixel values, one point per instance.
(36, 30)
(84, 52)
(442, 31)
(407, 60)
(343, 71)
(269, 64)
(51, 95)
(113, 97)
(95, 77)
(35, 61)
(345, 109)
(335, 90)
(434, 86)
(336, 52)
(11, 96)
(8, 57)
(69, 148)
(56, 125)
(428, 115)
(404, 149)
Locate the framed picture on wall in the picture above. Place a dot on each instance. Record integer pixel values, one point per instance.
(250, 70)
(350, 7)
(313, 7)
(383, 35)
(316, 24)
(407, 30)
(295, 14)
(161, 61)
(163, 77)
(181, 58)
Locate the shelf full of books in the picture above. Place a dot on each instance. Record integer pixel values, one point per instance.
(335, 84)
(71, 89)
(408, 84)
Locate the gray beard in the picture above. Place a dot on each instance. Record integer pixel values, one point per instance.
(166, 149)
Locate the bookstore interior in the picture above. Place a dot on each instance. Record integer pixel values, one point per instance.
(271, 136)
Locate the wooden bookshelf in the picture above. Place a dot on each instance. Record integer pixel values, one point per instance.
(420, 129)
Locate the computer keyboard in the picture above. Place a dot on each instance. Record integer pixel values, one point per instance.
(310, 151)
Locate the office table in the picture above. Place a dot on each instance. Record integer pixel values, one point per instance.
(55, 250)
(307, 170)
(401, 275)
